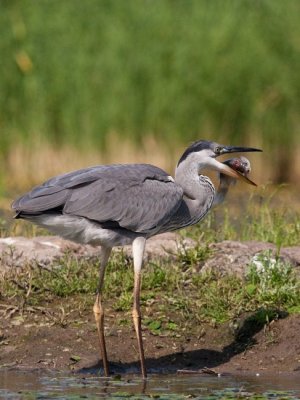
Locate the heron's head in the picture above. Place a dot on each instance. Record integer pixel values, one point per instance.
(205, 154)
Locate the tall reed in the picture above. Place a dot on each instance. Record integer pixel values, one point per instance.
(74, 72)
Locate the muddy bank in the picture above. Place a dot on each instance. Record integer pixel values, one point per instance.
(41, 342)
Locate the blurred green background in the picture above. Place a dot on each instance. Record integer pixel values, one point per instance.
(131, 80)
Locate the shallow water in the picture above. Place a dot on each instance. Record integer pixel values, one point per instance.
(49, 385)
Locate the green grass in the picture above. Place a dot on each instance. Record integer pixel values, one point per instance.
(176, 70)
(258, 218)
(273, 282)
(175, 294)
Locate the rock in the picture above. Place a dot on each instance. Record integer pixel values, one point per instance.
(227, 256)
(234, 257)
(15, 252)
(292, 254)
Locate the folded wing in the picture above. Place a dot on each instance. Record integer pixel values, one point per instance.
(137, 197)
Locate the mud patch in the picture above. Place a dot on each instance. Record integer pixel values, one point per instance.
(39, 342)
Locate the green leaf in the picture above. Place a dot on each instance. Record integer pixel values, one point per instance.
(154, 325)
(251, 289)
(172, 326)
(75, 358)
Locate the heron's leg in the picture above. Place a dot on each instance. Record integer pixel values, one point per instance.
(138, 247)
(98, 309)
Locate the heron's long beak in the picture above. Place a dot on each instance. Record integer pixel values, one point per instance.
(225, 169)
(236, 149)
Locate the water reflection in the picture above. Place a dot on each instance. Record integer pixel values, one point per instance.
(47, 385)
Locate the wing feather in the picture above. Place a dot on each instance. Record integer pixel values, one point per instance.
(138, 197)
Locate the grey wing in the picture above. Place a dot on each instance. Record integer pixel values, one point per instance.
(142, 204)
(138, 197)
(54, 192)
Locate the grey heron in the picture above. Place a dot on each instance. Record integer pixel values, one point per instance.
(116, 205)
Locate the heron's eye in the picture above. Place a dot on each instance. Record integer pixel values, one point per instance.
(218, 150)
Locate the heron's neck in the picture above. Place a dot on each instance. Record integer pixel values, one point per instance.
(187, 175)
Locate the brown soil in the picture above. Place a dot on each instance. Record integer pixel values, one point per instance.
(63, 336)
(46, 340)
